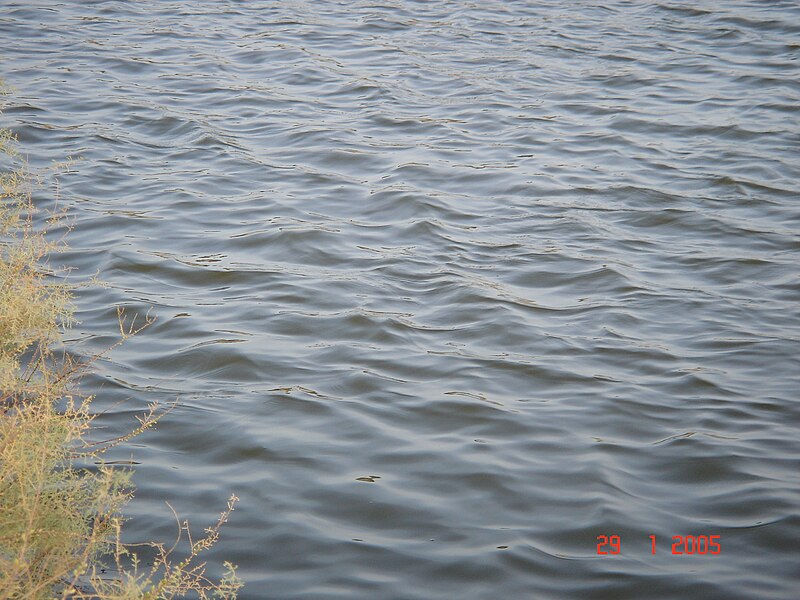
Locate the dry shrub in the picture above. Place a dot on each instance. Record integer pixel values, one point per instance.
(60, 523)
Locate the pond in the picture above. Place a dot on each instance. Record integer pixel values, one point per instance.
(443, 290)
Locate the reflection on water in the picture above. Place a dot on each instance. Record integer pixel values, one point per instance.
(445, 290)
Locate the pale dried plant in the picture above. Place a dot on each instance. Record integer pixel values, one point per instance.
(61, 522)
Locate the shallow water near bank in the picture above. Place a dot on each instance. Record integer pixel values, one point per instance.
(444, 290)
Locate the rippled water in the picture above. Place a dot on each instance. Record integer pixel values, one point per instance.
(445, 289)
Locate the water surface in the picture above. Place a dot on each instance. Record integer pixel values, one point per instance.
(445, 290)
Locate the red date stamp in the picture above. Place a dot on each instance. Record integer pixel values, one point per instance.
(681, 544)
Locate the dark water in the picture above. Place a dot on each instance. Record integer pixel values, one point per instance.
(445, 289)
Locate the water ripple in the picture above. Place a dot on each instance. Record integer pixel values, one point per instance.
(444, 290)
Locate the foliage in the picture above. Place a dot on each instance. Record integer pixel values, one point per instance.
(60, 521)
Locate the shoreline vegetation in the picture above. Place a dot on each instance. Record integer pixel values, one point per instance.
(60, 506)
